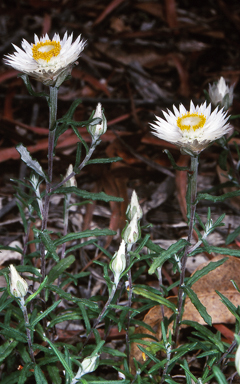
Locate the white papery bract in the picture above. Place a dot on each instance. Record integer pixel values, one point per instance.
(221, 94)
(134, 207)
(118, 262)
(98, 129)
(192, 130)
(18, 286)
(48, 61)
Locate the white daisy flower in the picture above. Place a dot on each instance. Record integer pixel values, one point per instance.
(192, 130)
(48, 61)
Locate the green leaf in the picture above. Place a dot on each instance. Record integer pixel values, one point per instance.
(33, 164)
(7, 348)
(26, 81)
(60, 357)
(206, 196)
(59, 268)
(174, 165)
(104, 160)
(45, 313)
(39, 376)
(205, 333)
(153, 296)
(65, 317)
(102, 196)
(198, 305)
(40, 288)
(219, 375)
(166, 254)
(12, 333)
(80, 235)
(232, 236)
(204, 271)
(12, 378)
(23, 216)
(49, 244)
(231, 307)
(53, 372)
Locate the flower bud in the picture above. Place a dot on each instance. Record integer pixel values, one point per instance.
(98, 129)
(134, 207)
(220, 94)
(237, 360)
(71, 182)
(89, 365)
(131, 232)
(118, 262)
(18, 286)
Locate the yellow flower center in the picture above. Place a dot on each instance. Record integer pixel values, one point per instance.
(191, 120)
(46, 50)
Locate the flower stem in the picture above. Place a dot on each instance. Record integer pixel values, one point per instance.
(29, 339)
(130, 291)
(114, 288)
(51, 138)
(192, 185)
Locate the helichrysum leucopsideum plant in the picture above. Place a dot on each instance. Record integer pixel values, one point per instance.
(30, 329)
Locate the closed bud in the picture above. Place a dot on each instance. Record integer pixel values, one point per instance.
(134, 207)
(221, 94)
(118, 262)
(131, 232)
(237, 360)
(18, 286)
(71, 182)
(98, 129)
(89, 365)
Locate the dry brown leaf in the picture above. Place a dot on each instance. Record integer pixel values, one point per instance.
(219, 279)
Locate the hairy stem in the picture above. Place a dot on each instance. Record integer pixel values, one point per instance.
(192, 184)
(29, 339)
(114, 288)
(51, 138)
(130, 290)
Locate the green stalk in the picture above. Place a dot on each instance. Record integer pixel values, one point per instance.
(25, 315)
(192, 185)
(130, 292)
(51, 137)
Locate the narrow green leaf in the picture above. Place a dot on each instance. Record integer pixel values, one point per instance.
(26, 158)
(206, 196)
(26, 81)
(85, 317)
(232, 236)
(49, 244)
(40, 288)
(219, 375)
(12, 333)
(7, 348)
(152, 296)
(59, 268)
(166, 254)
(231, 307)
(104, 160)
(198, 305)
(80, 235)
(39, 376)
(60, 357)
(45, 313)
(204, 271)
(102, 196)
(205, 332)
(174, 165)
(23, 216)
(53, 372)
